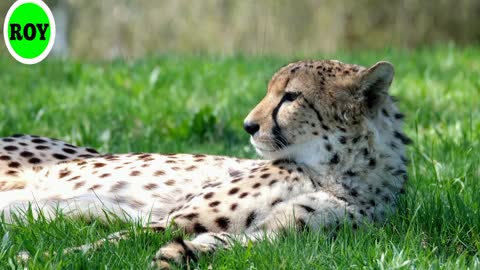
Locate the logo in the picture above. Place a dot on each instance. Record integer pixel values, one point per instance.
(29, 31)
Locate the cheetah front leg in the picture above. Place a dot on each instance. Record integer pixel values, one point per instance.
(180, 250)
(314, 210)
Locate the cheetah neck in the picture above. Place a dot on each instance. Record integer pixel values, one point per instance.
(372, 154)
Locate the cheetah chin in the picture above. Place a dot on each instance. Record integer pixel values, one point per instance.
(291, 152)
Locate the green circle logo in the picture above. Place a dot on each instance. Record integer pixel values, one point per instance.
(29, 31)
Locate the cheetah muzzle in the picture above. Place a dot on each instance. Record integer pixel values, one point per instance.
(334, 152)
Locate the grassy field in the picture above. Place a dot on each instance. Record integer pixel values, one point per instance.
(197, 104)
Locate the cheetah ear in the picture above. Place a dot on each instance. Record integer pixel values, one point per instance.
(374, 84)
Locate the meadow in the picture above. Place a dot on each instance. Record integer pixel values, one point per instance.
(196, 104)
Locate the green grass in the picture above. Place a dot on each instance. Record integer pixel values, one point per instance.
(197, 104)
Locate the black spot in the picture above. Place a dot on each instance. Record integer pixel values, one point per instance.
(399, 116)
(34, 160)
(250, 218)
(307, 208)
(99, 165)
(279, 161)
(325, 127)
(362, 212)
(17, 135)
(208, 195)
(213, 204)
(10, 148)
(243, 195)
(233, 191)
(272, 182)
(365, 152)
(223, 223)
(356, 139)
(4, 157)
(13, 164)
(64, 173)
(335, 159)
(342, 140)
(8, 140)
(199, 228)
(42, 147)
(385, 113)
(236, 180)
(233, 206)
(328, 147)
(256, 185)
(69, 151)
(59, 156)
(26, 154)
(71, 146)
(38, 141)
(402, 137)
(372, 162)
(91, 150)
(353, 192)
(350, 173)
(265, 175)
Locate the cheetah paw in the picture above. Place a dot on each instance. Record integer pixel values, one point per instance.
(176, 251)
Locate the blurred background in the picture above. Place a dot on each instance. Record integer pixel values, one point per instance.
(130, 29)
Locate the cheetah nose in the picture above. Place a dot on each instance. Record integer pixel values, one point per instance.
(251, 127)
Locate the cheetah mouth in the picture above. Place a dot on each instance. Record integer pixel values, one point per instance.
(264, 150)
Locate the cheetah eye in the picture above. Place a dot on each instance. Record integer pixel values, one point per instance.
(291, 96)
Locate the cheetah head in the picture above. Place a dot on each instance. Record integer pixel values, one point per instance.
(310, 105)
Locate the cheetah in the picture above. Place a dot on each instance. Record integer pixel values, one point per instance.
(333, 153)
